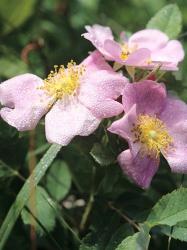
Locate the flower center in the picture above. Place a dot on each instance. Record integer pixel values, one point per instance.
(63, 81)
(152, 133)
(126, 50)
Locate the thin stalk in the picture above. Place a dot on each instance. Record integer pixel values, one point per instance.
(32, 200)
(160, 76)
(13, 171)
(169, 238)
(57, 210)
(87, 211)
(89, 204)
(52, 240)
(155, 70)
(125, 217)
(182, 180)
(25, 193)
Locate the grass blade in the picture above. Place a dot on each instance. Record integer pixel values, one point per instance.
(25, 193)
(52, 240)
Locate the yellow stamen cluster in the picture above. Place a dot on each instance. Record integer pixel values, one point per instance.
(149, 61)
(126, 50)
(152, 133)
(63, 81)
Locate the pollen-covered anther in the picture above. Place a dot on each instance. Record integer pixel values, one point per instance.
(149, 61)
(126, 50)
(63, 81)
(153, 135)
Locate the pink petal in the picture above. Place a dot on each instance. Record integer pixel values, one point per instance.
(172, 52)
(114, 50)
(135, 59)
(67, 119)
(95, 61)
(174, 111)
(175, 117)
(99, 90)
(140, 169)
(123, 126)
(100, 32)
(105, 109)
(24, 103)
(149, 96)
(176, 156)
(162, 65)
(138, 58)
(151, 39)
(169, 67)
(97, 35)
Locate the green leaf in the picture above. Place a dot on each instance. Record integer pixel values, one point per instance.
(168, 20)
(109, 181)
(102, 155)
(83, 12)
(58, 212)
(178, 232)
(80, 167)
(138, 241)
(107, 234)
(15, 13)
(11, 66)
(122, 232)
(170, 209)
(58, 180)
(25, 193)
(150, 5)
(99, 238)
(83, 247)
(41, 209)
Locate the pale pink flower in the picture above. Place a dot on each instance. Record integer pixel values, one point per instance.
(153, 124)
(148, 49)
(75, 100)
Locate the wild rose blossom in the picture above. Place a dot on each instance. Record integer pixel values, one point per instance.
(75, 100)
(148, 48)
(153, 123)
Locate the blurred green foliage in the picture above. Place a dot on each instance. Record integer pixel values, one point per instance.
(35, 35)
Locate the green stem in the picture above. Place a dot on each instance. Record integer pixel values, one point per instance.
(182, 180)
(57, 210)
(89, 204)
(125, 217)
(87, 211)
(53, 241)
(13, 171)
(25, 193)
(169, 238)
(154, 71)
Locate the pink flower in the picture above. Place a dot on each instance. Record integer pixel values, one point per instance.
(148, 49)
(153, 123)
(75, 99)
